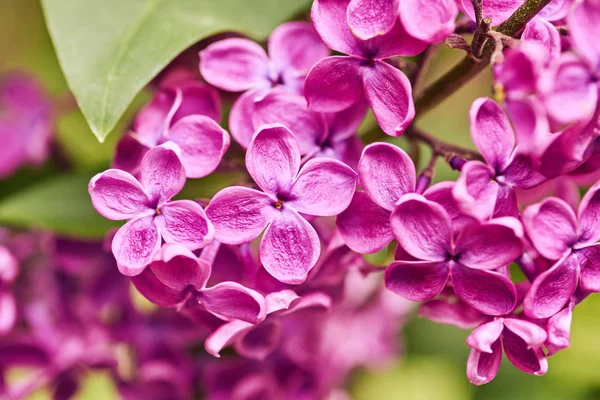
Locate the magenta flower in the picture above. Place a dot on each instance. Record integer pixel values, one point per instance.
(240, 65)
(9, 268)
(26, 123)
(486, 189)
(177, 276)
(117, 195)
(522, 343)
(318, 134)
(428, 20)
(185, 113)
(290, 246)
(337, 82)
(559, 330)
(259, 340)
(559, 235)
(424, 230)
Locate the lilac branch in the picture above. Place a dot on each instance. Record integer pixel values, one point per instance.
(469, 68)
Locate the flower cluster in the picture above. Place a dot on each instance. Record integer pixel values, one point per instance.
(274, 264)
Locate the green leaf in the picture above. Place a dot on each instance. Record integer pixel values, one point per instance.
(110, 49)
(61, 204)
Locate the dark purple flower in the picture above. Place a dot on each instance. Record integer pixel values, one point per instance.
(521, 340)
(424, 230)
(337, 82)
(570, 240)
(147, 205)
(290, 246)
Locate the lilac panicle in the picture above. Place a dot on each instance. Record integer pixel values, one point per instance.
(337, 82)
(521, 341)
(240, 65)
(424, 231)
(290, 246)
(147, 205)
(569, 240)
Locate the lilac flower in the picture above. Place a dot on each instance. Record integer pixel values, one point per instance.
(559, 330)
(258, 341)
(290, 246)
(428, 20)
(559, 235)
(449, 309)
(318, 134)
(117, 195)
(522, 343)
(423, 229)
(26, 123)
(9, 268)
(336, 83)
(240, 65)
(486, 189)
(177, 276)
(185, 113)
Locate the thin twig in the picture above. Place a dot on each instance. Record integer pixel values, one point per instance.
(439, 147)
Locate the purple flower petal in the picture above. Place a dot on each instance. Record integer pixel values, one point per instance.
(490, 245)
(224, 336)
(273, 159)
(530, 360)
(177, 267)
(583, 24)
(329, 19)
(552, 289)
(589, 215)
(239, 214)
(117, 195)
(370, 18)
(135, 245)
(386, 173)
(529, 332)
(441, 193)
(559, 330)
(153, 120)
(506, 203)
(397, 42)
(232, 301)
(156, 291)
(235, 65)
(259, 342)
(198, 99)
(162, 173)
(345, 123)
(491, 132)
(429, 20)
(551, 226)
(483, 367)
(334, 84)
(422, 228)
(202, 142)
(308, 127)
(323, 187)
(240, 115)
(483, 338)
(8, 311)
(289, 248)
(556, 10)
(530, 122)
(523, 171)
(364, 226)
(129, 154)
(416, 280)
(393, 112)
(185, 222)
(543, 32)
(573, 94)
(455, 313)
(590, 268)
(488, 292)
(296, 46)
(475, 191)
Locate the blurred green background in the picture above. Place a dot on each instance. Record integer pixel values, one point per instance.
(435, 355)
